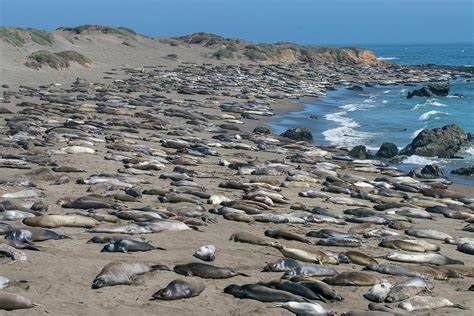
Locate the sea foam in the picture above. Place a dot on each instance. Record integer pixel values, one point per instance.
(428, 115)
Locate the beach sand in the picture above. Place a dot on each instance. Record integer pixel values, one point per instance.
(60, 274)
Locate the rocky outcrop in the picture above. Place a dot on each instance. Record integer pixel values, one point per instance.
(277, 52)
(387, 150)
(262, 130)
(439, 90)
(444, 142)
(298, 134)
(358, 152)
(428, 172)
(469, 171)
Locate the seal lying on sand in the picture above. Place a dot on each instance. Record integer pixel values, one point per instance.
(129, 245)
(122, 273)
(180, 288)
(261, 293)
(53, 221)
(206, 271)
(10, 301)
(33, 234)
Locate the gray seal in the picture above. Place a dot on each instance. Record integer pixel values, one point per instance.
(129, 245)
(261, 293)
(206, 271)
(180, 288)
(33, 234)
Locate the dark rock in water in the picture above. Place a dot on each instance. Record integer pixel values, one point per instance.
(262, 130)
(440, 90)
(358, 152)
(368, 85)
(469, 171)
(459, 95)
(387, 150)
(445, 141)
(313, 117)
(428, 172)
(298, 134)
(356, 88)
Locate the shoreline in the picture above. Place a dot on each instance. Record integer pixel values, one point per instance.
(460, 181)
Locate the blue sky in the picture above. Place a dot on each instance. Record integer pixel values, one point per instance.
(301, 21)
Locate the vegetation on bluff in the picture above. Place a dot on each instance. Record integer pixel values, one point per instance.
(61, 60)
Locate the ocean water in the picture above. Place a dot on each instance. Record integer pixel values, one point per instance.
(383, 114)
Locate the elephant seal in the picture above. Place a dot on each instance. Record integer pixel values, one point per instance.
(431, 258)
(10, 301)
(294, 288)
(33, 234)
(427, 233)
(321, 288)
(466, 247)
(314, 256)
(409, 245)
(180, 288)
(356, 258)
(304, 308)
(206, 253)
(54, 221)
(281, 265)
(400, 293)
(261, 293)
(105, 240)
(129, 245)
(378, 292)
(206, 271)
(279, 233)
(122, 273)
(309, 270)
(248, 238)
(392, 269)
(427, 302)
(353, 278)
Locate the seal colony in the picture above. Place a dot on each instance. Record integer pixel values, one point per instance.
(158, 189)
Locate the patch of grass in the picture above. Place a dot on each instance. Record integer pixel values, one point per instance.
(223, 53)
(125, 43)
(121, 31)
(18, 37)
(57, 61)
(40, 37)
(11, 36)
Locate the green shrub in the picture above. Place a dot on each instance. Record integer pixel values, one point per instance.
(223, 53)
(58, 61)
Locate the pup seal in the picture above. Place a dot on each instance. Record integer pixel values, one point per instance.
(206, 253)
(206, 271)
(180, 288)
(122, 273)
(129, 245)
(33, 234)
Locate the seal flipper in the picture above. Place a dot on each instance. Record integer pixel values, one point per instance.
(66, 237)
(242, 274)
(460, 306)
(160, 248)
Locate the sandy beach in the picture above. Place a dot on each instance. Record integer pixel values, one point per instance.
(130, 102)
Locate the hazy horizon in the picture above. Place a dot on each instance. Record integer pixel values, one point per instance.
(332, 23)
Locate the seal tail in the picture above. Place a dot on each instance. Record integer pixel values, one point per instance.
(64, 237)
(157, 267)
(160, 248)
(30, 247)
(460, 306)
(243, 274)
